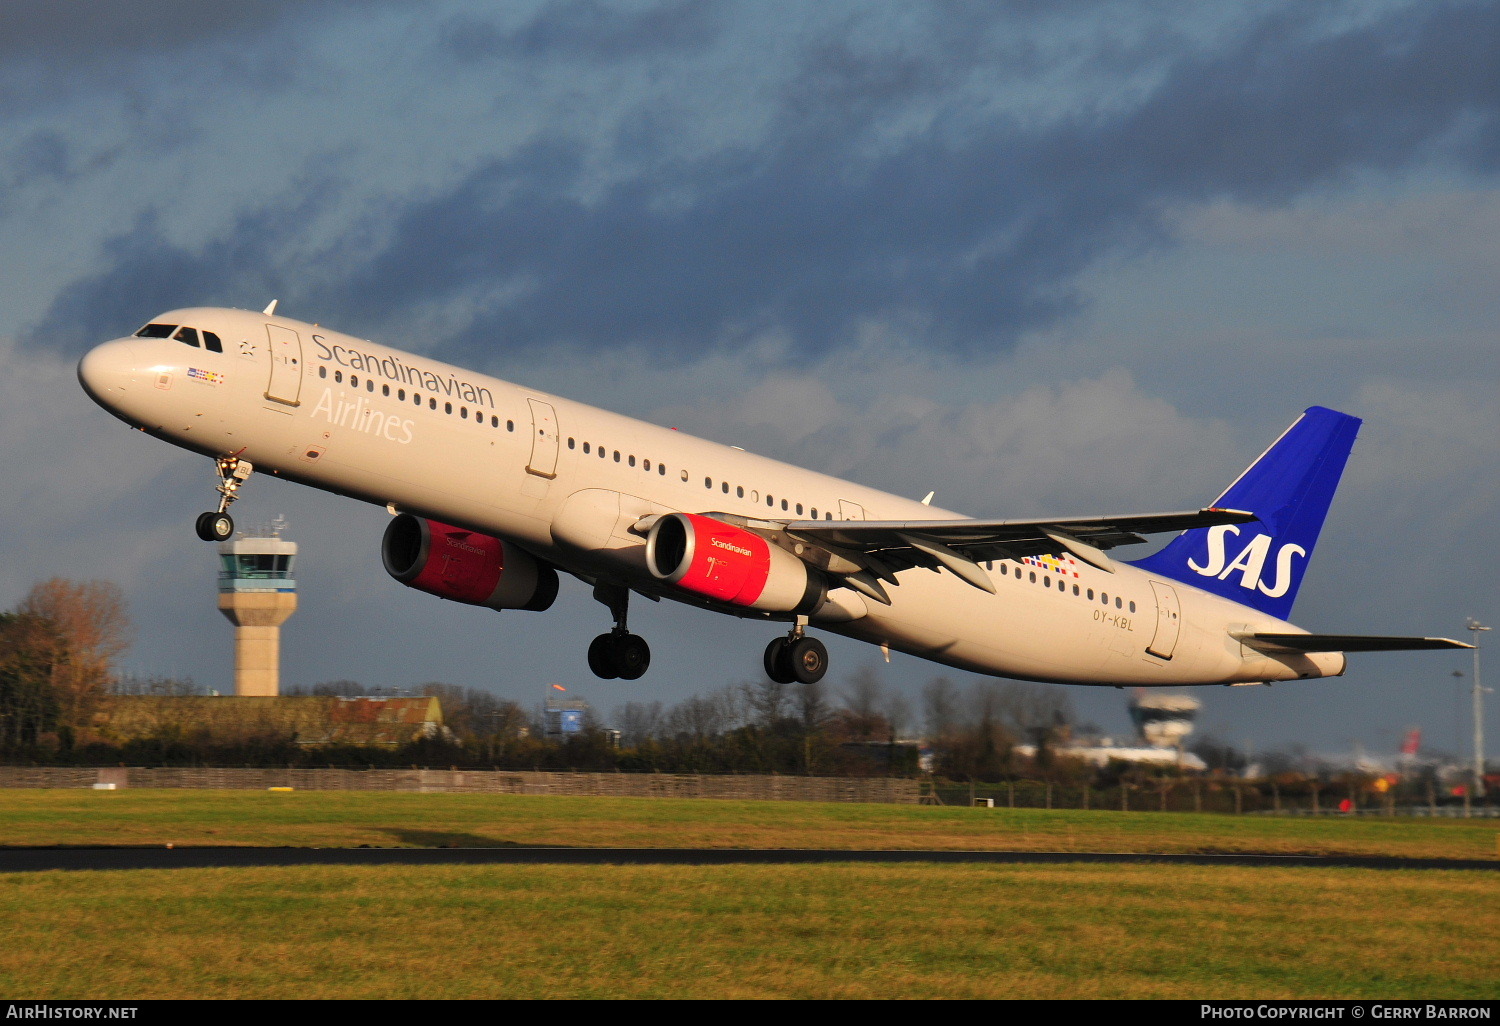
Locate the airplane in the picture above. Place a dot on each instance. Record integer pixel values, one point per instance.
(497, 490)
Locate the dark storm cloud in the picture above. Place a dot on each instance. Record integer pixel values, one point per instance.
(52, 30)
(978, 239)
(975, 235)
(146, 273)
(586, 30)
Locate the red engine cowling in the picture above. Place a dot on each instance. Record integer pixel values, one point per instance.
(465, 566)
(729, 564)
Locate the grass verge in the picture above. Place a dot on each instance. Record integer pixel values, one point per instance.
(387, 819)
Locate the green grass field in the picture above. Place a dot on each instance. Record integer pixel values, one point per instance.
(850, 930)
(393, 819)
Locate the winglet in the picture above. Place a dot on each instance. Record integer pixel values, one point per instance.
(272, 308)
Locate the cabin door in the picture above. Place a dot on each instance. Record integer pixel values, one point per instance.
(286, 365)
(543, 462)
(1168, 621)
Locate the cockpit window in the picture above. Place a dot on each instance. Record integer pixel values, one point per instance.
(156, 331)
(211, 342)
(188, 335)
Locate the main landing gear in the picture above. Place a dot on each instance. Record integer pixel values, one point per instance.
(218, 525)
(618, 653)
(796, 658)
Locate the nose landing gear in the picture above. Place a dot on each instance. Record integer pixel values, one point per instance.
(618, 654)
(796, 658)
(218, 525)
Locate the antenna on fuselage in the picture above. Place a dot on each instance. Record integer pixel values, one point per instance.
(272, 308)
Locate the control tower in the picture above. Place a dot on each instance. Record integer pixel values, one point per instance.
(257, 593)
(1164, 719)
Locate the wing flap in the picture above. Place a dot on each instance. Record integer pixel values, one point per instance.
(1020, 536)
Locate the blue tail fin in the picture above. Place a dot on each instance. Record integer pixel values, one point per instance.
(1289, 488)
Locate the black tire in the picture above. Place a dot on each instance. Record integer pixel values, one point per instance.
(808, 659)
(214, 527)
(632, 656)
(778, 666)
(601, 657)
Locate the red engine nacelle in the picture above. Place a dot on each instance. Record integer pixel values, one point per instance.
(731, 565)
(465, 566)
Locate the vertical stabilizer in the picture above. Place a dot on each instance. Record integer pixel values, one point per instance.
(1290, 489)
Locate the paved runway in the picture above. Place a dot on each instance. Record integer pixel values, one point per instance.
(14, 860)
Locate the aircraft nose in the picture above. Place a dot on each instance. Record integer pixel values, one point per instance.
(106, 371)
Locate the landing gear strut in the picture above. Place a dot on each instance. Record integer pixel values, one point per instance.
(618, 653)
(218, 525)
(796, 658)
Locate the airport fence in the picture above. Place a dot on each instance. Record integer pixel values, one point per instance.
(888, 790)
(1199, 794)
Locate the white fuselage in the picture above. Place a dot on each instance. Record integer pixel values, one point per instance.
(568, 482)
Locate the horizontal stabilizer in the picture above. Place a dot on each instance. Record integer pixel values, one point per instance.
(1342, 642)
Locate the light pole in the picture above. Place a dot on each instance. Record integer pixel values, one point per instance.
(1475, 626)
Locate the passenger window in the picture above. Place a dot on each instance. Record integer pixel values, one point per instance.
(353, 381)
(684, 477)
(1032, 575)
(369, 384)
(338, 376)
(385, 389)
(431, 403)
(646, 466)
(570, 444)
(1104, 598)
(447, 407)
(617, 455)
(1090, 594)
(799, 509)
(463, 413)
(708, 482)
(188, 335)
(510, 425)
(1132, 607)
(661, 468)
(783, 504)
(814, 513)
(631, 461)
(771, 500)
(739, 491)
(726, 487)
(1046, 581)
(211, 342)
(156, 331)
(322, 372)
(1118, 603)
(586, 449)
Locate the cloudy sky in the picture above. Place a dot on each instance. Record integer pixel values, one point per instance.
(1044, 258)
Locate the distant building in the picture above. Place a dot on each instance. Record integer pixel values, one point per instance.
(257, 593)
(1163, 719)
(564, 717)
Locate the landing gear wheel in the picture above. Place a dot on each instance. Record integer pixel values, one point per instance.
(808, 659)
(631, 655)
(777, 662)
(601, 657)
(215, 527)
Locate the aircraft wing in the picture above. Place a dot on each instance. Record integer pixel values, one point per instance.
(1343, 642)
(880, 548)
